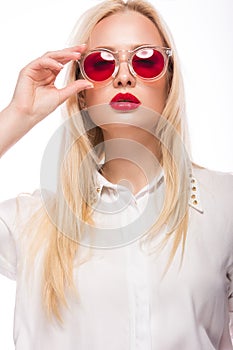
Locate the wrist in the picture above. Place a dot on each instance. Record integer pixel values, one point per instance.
(13, 126)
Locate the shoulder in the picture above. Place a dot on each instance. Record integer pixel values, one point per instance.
(215, 183)
(14, 212)
(23, 201)
(216, 195)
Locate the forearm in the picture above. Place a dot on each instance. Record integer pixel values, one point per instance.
(13, 127)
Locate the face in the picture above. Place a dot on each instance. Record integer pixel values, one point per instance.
(124, 31)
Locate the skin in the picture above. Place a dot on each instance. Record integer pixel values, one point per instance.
(122, 31)
(36, 95)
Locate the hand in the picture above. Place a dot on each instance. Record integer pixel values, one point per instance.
(35, 94)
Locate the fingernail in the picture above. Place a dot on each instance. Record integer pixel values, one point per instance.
(89, 86)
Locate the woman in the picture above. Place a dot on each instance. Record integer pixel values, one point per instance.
(134, 249)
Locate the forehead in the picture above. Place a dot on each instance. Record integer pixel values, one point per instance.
(124, 30)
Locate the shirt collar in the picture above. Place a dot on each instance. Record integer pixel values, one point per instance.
(194, 198)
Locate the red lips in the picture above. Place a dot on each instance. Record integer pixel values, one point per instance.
(125, 102)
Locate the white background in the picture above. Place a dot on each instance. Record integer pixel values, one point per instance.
(203, 34)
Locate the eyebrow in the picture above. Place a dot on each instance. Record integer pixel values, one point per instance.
(111, 48)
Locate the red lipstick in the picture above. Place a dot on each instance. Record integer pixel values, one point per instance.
(125, 102)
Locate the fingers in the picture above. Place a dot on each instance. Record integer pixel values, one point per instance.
(55, 60)
(66, 55)
(46, 63)
(74, 88)
(43, 71)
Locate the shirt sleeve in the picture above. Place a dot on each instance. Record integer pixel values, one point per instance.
(13, 214)
(230, 301)
(8, 259)
(230, 270)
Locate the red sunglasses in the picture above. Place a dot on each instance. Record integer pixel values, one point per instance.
(146, 62)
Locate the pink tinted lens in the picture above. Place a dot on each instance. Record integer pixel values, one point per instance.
(99, 65)
(148, 63)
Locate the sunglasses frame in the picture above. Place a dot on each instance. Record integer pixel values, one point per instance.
(165, 51)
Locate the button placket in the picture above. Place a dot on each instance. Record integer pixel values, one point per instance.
(138, 284)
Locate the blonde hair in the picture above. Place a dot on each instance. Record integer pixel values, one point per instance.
(79, 185)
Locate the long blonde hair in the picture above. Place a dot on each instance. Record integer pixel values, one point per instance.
(79, 186)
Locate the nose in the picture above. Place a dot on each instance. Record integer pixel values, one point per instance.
(124, 77)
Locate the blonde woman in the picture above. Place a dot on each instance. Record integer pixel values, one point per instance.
(133, 250)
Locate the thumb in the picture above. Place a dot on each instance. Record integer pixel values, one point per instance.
(74, 88)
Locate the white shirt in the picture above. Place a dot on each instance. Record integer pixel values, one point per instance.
(123, 303)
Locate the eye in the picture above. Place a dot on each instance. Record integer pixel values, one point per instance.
(99, 65)
(145, 53)
(148, 62)
(145, 62)
(146, 57)
(107, 56)
(103, 59)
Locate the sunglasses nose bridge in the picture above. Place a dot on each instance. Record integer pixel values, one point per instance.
(124, 74)
(123, 55)
(123, 61)
(123, 58)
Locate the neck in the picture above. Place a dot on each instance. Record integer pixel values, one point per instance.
(132, 157)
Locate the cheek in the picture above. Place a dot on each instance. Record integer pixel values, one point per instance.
(153, 95)
(89, 98)
(94, 97)
(156, 96)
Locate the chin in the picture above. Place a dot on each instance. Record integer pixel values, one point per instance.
(106, 117)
